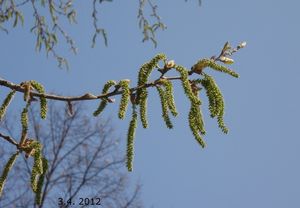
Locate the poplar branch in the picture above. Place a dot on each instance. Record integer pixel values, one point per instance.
(86, 96)
(226, 52)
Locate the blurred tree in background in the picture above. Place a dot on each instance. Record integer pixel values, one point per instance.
(83, 159)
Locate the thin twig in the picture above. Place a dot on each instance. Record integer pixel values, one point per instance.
(9, 139)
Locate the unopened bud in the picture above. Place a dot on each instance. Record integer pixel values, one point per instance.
(170, 64)
(242, 45)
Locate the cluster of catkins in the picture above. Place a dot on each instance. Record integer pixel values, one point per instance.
(138, 96)
(30, 147)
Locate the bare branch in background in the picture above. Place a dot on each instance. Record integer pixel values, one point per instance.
(83, 162)
(97, 29)
(149, 29)
(47, 26)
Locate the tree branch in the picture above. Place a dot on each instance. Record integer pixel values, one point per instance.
(226, 52)
(86, 96)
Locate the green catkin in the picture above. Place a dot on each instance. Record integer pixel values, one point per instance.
(37, 168)
(100, 108)
(143, 112)
(124, 84)
(195, 129)
(38, 164)
(145, 72)
(169, 96)
(33, 180)
(186, 84)
(216, 101)
(195, 118)
(6, 102)
(24, 122)
(103, 102)
(212, 64)
(43, 101)
(6, 170)
(196, 112)
(200, 121)
(221, 122)
(38, 195)
(164, 106)
(130, 139)
(223, 69)
(210, 93)
(142, 94)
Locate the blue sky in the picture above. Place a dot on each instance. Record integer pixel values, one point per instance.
(257, 163)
